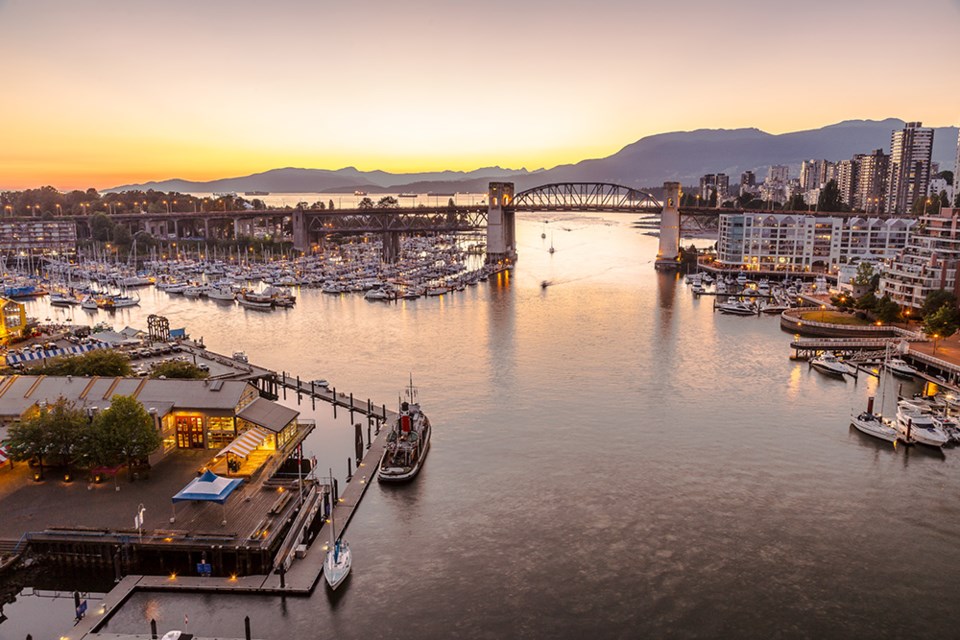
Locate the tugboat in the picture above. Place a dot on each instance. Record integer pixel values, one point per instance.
(407, 443)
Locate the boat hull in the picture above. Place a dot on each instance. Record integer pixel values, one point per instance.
(404, 474)
(871, 428)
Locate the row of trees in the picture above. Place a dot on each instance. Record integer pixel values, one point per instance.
(63, 435)
(939, 314)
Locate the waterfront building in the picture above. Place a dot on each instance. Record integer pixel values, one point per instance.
(870, 195)
(789, 242)
(39, 237)
(929, 261)
(909, 173)
(13, 320)
(189, 414)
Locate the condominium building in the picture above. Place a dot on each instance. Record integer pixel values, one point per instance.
(929, 261)
(847, 173)
(870, 195)
(909, 174)
(784, 242)
(718, 182)
(816, 173)
(38, 236)
(956, 175)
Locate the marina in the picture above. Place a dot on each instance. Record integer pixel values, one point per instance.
(799, 447)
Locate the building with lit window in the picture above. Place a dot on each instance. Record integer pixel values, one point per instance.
(929, 261)
(911, 149)
(785, 242)
(38, 237)
(13, 320)
(188, 414)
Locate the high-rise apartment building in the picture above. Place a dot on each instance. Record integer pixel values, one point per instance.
(956, 175)
(847, 173)
(870, 194)
(909, 173)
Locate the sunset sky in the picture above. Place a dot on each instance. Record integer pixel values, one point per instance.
(104, 92)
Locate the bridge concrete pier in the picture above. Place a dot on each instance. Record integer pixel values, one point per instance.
(501, 223)
(391, 246)
(300, 240)
(669, 252)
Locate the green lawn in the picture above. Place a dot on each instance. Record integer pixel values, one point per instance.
(834, 317)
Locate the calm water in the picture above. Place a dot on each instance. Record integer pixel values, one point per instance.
(610, 458)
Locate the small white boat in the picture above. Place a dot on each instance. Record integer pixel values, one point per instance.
(697, 288)
(221, 294)
(899, 367)
(89, 303)
(336, 564)
(829, 364)
(875, 426)
(62, 300)
(737, 308)
(376, 294)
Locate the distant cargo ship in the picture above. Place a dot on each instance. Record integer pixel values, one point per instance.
(256, 193)
(359, 193)
(408, 195)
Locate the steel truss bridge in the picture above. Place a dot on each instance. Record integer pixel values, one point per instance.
(585, 196)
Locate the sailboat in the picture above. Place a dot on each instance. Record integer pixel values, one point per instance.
(336, 564)
(551, 249)
(872, 423)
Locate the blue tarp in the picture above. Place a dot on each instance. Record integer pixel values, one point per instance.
(209, 488)
(178, 333)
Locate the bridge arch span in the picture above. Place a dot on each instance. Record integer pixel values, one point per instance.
(585, 196)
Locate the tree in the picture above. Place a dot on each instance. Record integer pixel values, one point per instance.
(179, 369)
(830, 198)
(796, 203)
(365, 203)
(388, 202)
(943, 322)
(887, 310)
(936, 299)
(713, 198)
(101, 226)
(866, 302)
(930, 206)
(864, 274)
(100, 362)
(56, 432)
(124, 432)
(330, 205)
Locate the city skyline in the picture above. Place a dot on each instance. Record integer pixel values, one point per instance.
(102, 93)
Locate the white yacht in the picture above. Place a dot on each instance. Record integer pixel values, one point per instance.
(376, 294)
(915, 424)
(697, 288)
(829, 364)
(737, 308)
(899, 367)
(89, 303)
(221, 294)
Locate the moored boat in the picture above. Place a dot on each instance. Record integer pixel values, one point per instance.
(829, 364)
(916, 425)
(899, 367)
(874, 425)
(339, 559)
(407, 443)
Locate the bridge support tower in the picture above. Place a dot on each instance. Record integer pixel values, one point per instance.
(501, 223)
(391, 246)
(669, 253)
(300, 240)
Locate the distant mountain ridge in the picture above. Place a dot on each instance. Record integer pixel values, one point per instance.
(682, 156)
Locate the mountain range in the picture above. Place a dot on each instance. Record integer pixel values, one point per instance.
(681, 156)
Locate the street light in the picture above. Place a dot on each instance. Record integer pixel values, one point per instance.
(925, 203)
(935, 338)
(823, 309)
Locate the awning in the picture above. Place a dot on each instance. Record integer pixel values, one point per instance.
(4, 456)
(247, 442)
(209, 488)
(53, 353)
